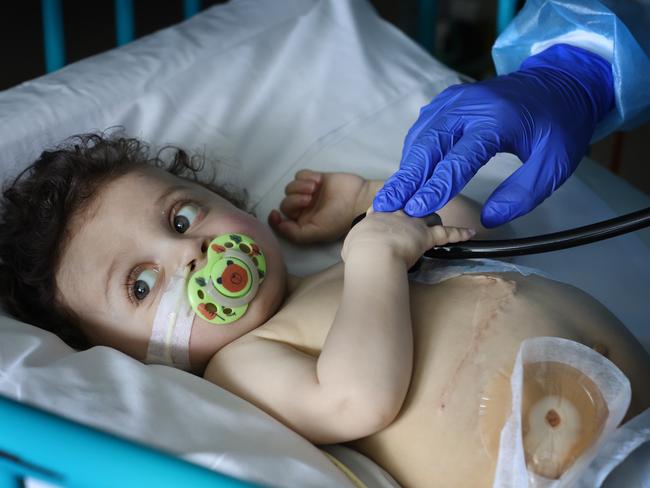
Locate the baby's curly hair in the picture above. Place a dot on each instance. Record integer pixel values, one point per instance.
(39, 203)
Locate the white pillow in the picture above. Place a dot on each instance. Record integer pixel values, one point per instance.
(264, 86)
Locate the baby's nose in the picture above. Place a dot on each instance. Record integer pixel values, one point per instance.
(198, 259)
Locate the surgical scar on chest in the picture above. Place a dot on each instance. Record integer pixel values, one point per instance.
(493, 296)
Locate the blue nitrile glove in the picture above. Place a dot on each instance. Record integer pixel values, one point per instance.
(545, 113)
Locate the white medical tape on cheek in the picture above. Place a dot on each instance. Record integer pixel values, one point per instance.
(169, 342)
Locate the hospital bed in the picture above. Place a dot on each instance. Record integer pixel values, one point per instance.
(266, 91)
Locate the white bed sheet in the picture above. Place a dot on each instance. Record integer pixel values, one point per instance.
(326, 85)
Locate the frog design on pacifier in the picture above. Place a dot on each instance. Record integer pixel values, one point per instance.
(221, 291)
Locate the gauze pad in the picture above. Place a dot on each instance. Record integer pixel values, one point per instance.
(567, 400)
(170, 336)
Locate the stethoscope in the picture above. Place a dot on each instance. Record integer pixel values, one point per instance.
(536, 244)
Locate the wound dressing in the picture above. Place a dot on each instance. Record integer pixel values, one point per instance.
(567, 401)
(434, 271)
(219, 293)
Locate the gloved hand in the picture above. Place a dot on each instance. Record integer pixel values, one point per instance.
(545, 113)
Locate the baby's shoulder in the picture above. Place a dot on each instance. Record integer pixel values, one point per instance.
(244, 352)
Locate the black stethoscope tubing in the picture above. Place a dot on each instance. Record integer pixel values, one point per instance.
(541, 243)
(546, 242)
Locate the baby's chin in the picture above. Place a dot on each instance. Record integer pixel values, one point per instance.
(207, 339)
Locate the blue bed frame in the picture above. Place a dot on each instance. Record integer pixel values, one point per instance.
(40, 445)
(124, 24)
(52, 15)
(43, 446)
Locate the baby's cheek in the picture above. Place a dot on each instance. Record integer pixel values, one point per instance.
(202, 326)
(206, 339)
(248, 225)
(126, 332)
(238, 222)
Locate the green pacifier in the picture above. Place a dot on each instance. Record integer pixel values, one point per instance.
(221, 291)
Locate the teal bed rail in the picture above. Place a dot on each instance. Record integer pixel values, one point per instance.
(50, 448)
(54, 44)
(427, 11)
(53, 35)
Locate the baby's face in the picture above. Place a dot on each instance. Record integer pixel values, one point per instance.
(137, 233)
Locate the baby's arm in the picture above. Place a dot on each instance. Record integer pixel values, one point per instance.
(320, 207)
(357, 384)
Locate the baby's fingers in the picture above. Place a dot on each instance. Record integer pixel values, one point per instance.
(309, 175)
(300, 186)
(444, 234)
(290, 229)
(293, 205)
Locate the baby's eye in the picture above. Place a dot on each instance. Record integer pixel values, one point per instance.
(185, 217)
(144, 282)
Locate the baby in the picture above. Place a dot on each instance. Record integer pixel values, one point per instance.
(416, 375)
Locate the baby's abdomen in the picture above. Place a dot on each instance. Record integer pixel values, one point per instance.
(466, 333)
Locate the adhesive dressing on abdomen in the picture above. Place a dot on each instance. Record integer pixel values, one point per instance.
(567, 399)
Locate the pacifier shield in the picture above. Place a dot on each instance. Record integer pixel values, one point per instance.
(221, 291)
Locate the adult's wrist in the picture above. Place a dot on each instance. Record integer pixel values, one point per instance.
(588, 73)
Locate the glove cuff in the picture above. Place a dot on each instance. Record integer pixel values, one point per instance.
(587, 70)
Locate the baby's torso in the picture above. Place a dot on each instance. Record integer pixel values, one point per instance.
(467, 331)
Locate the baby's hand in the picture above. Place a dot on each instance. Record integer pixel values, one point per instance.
(319, 206)
(398, 235)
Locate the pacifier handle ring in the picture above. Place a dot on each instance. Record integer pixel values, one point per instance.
(225, 301)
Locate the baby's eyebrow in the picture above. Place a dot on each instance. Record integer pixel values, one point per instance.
(168, 191)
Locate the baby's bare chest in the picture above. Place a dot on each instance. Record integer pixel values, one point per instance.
(438, 314)
(307, 316)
